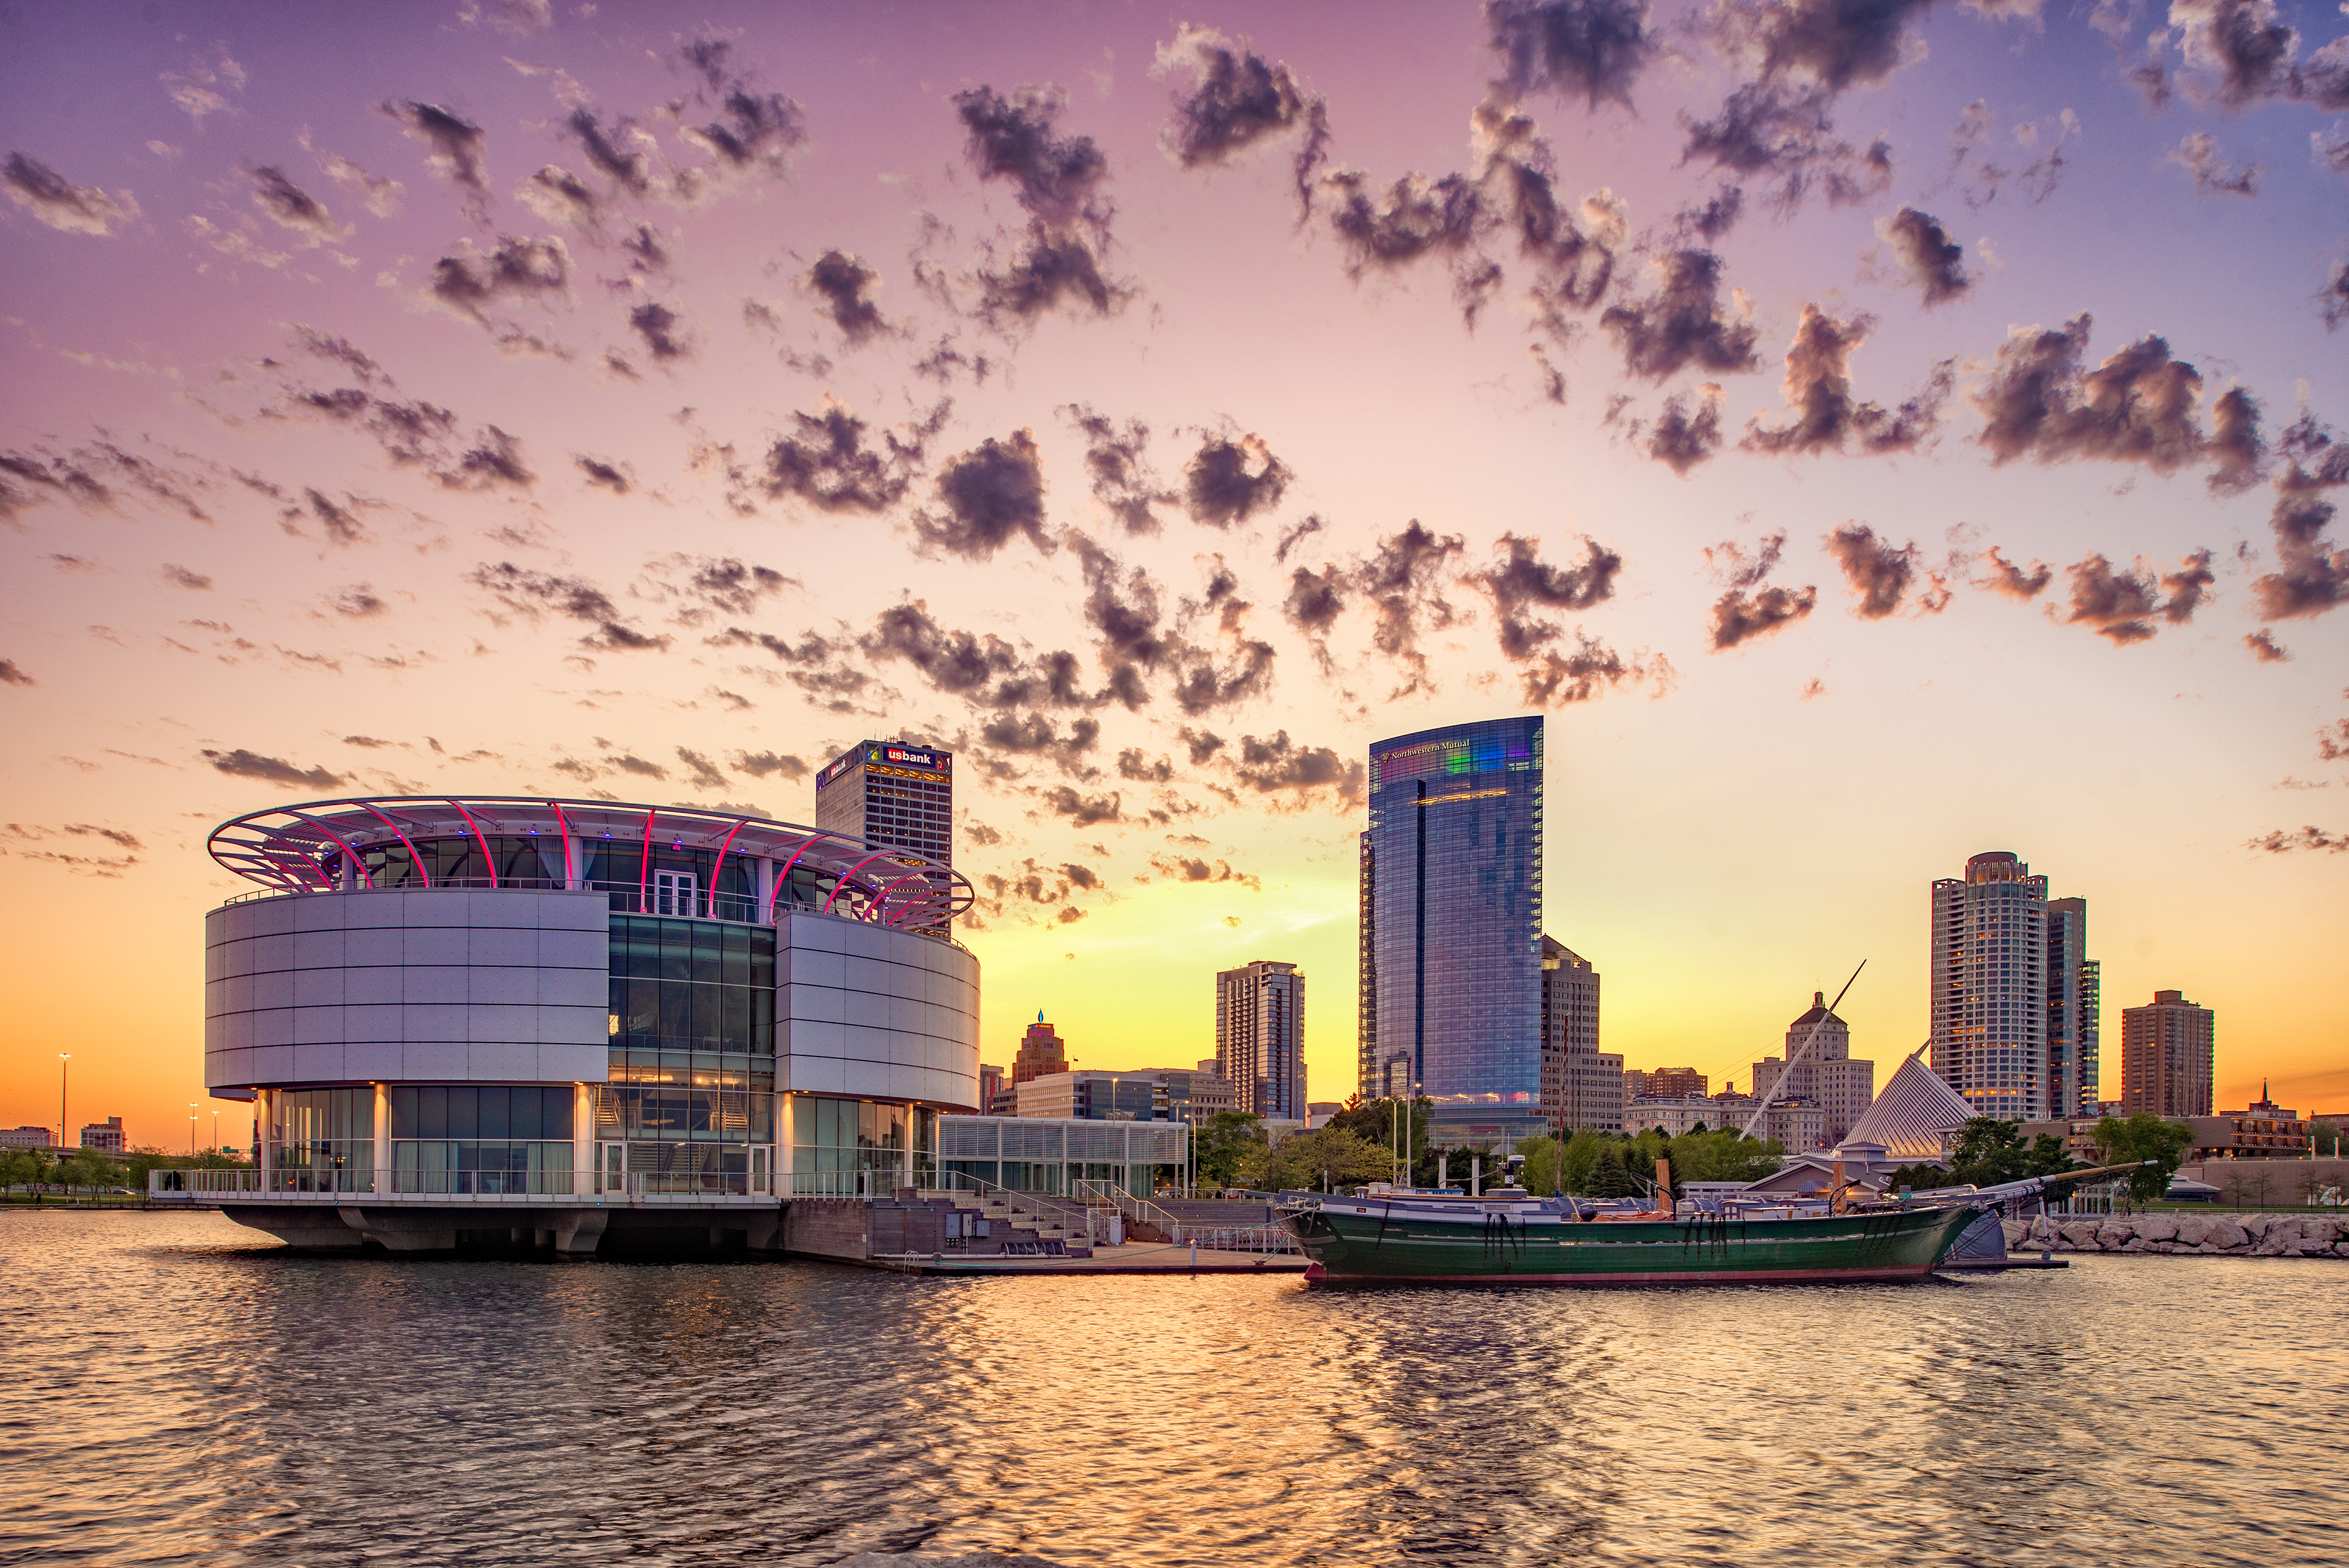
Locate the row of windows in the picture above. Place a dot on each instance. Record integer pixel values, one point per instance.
(479, 1111)
(697, 1069)
(706, 951)
(658, 1111)
(678, 1016)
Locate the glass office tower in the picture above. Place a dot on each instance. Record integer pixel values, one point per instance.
(1452, 909)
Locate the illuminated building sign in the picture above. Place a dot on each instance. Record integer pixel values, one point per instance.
(908, 758)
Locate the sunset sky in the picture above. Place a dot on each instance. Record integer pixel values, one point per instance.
(1873, 434)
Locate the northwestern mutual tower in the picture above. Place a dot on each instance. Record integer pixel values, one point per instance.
(1450, 941)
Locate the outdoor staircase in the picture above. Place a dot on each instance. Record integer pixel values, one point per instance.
(1020, 1221)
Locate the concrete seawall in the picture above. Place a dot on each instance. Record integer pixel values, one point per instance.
(2201, 1235)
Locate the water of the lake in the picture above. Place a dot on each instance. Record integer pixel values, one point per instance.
(178, 1390)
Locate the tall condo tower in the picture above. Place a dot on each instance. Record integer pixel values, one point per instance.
(2167, 1052)
(895, 796)
(2074, 980)
(1581, 1086)
(2014, 994)
(1452, 874)
(1260, 1037)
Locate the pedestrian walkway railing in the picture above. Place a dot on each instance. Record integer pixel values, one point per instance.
(297, 1185)
(1105, 1197)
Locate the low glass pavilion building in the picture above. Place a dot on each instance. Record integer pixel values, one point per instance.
(438, 1002)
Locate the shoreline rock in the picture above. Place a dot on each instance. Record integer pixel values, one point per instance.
(2199, 1235)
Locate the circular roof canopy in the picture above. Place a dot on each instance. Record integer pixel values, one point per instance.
(303, 848)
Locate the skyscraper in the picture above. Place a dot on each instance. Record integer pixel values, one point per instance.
(1824, 1071)
(2072, 983)
(1452, 868)
(1260, 1037)
(2169, 1048)
(1041, 1050)
(2013, 993)
(893, 796)
(1581, 1086)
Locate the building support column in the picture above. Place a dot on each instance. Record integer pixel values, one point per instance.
(586, 1175)
(382, 1179)
(262, 1125)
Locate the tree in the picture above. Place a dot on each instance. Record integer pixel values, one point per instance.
(1724, 1155)
(2047, 1156)
(1321, 1160)
(1988, 1151)
(19, 1168)
(2144, 1135)
(1383, 1123)
(1613, 1179)
(1224, 1144)
(1580, 1164)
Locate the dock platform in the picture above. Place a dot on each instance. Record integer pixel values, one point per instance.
(1133, 1258)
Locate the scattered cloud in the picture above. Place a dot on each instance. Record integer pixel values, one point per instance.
(1227, 482)
(1594, 50)
(2311, 837)
(1239, 101)
(1682, 323)
(454, 149)
(1928, 256)
(986, 498)
(2197, 154)
(55, 201)
(242, 764)
(2122, 605)
(2265, 648)
(1823, 416)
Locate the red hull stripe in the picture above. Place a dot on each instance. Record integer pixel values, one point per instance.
(1317, 1275)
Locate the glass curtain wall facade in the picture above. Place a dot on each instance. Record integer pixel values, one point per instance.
(1990, 987)
(1453, 860)
(480, 1138)
(321, 1140)
(690, 1104)
(2073, 1003)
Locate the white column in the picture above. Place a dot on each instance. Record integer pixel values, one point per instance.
(573, 874)
(261, 1121)
(584, 1151)
(766, 886)
(382, 1182)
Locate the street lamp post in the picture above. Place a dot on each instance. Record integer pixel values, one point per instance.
(191, 1129)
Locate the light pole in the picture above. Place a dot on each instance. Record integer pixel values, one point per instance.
(63, 1057)
(191, 1129)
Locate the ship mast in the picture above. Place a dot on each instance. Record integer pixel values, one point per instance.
(1761, 1101)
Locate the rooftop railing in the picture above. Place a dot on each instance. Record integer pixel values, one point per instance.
(208, 1187)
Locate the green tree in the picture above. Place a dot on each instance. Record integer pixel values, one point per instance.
(2047, 1156)
(2144, 1135)
(1224, 1145)
(1322, 1159)
(1580, 1164)
(1383, 1123)
(19, 1168)
(1988, 1151)
(1613, 1179)
(1723, 1156)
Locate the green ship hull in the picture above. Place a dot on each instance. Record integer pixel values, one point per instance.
(1377, 1242)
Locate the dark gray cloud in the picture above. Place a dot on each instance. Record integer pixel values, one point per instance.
(2197, 153)
(2122, 605)
(1058, 181)
(1593, 49)
(1780, 136)
(340, 526)
(700, 772)
(1933, 261)
(2313, 572)
(1688, 430)
(621, 154)
(380, 192)
(1292, 536)
(1083, 810)
(1315, 601)
(179, 577)
(756, 131)
(762, 764)
(2251, 51)
(980, 669)
(1740, 617)
(11, 674)
(1402, 579)
(827, 463)
(1823, 416)
(454, 146)
(1880, 573)
(2003, 577)
(1204, 683)
(532, 594)
(2332, 299)
(63, 205)
(845, 285)
(657, 324)
(986, 497)
(341, 352)
(1137, 768)
(1837, 44)
(1517, 178)
(1413, 218)
(1039, 735)
(1717, 216)
(1227, 482)
(2311, 837)
(470, 284)
(1197, 869)
(1275, 763)
(289, 206)
(1684, 324)
(817, 666)
(560, 196)
(2138, 406)
(615, 477)
(358, 602)
(1239, 101)
(1521, 582)
(1560, 677)
(242, 764)
(715, 583)
(1117, 463)
(1124, 607)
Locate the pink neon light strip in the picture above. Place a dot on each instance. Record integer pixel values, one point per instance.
(720, 869)
(413, 857)
(563, 826)
(347, 852)
(881, 898)
(774, 900)
(645, 865)
(487, 858)
(851, 871)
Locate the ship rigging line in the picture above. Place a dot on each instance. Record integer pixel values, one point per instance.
(1761, 1101)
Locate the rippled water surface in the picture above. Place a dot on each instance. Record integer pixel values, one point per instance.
(180, 1390)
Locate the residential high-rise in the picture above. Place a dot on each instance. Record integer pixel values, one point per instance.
(1367, 1077)
(897, 797)
(1823, 1070)
(2167, 1052)
(1453, 913)
(1581, 1088)
(1260, 1037)
(1041, 1050)
(2002, 976)
(2073, 983)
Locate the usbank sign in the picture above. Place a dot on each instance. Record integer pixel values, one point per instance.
(905, 757)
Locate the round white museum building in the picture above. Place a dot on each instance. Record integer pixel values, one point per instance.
(441, 1006)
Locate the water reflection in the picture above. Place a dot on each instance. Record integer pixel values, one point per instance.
(181, 1394)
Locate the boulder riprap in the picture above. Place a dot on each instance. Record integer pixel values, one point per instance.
(2204, 1235)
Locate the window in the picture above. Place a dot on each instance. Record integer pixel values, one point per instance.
(673, 893)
